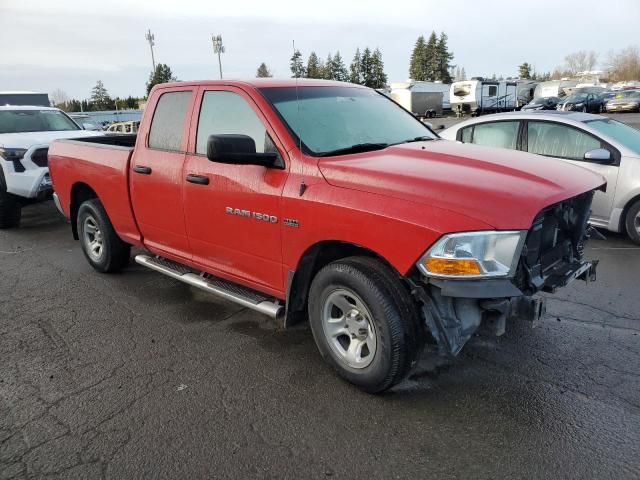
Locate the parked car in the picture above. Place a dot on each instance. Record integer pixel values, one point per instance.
(542, 103)
(329, 200)
(582, 102)
(123, 127)
(595, 142)
(25, 133)
(624, 101)
(86, 122)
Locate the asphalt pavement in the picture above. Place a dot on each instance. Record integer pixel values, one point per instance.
(136, 375)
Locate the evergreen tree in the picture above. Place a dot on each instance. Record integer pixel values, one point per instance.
(443, 59)
(366, 68)
(314, 67)
(327, 72)
(100, 99)
(418, 60)
(458, 74)
(431, 66)
(162, 74)
(355, 69)
(263, 71)
(379, 78)
(525, 70)
(338, 69)
(296, 65)
(463, 74)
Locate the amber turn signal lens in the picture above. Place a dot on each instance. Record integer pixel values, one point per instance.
(452, 266)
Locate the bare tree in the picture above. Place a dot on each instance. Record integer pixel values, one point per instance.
(581, 61)
(624, 65)
(59, 97)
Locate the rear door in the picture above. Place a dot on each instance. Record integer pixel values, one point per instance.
(156, 174)
(233, 212)
(570, 143)
(502, 134)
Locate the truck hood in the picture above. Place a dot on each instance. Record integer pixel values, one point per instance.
(502, 188)
(29, 139)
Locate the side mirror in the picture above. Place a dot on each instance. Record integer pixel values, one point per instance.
(238, 149)
(599, 155)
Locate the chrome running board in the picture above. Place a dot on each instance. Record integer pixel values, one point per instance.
(230, 291)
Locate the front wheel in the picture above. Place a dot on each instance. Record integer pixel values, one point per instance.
(365, 323)
(104, 250)
(632, 222)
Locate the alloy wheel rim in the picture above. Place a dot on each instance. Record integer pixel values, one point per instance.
(636, 223)
(349, 329)
(93, 239)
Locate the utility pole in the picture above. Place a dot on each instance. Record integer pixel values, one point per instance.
(150, 38)
(218, 49)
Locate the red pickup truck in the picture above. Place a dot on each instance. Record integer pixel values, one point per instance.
(328, 201)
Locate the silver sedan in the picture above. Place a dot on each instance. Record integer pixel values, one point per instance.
(598, 143)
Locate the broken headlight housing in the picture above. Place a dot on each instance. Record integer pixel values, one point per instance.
(468, 255)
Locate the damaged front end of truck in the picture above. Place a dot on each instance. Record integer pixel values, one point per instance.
(490, 277)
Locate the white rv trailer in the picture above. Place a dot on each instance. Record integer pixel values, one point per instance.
(526, 92)
(477, 96)
(554, 88)
(404, 93)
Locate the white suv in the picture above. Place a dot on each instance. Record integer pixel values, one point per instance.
(25, 134)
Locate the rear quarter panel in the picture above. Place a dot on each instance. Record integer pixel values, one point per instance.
(104, 169)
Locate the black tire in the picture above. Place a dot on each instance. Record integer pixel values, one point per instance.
(632, 222)
(114, 254)
(398, 330)
(10, 208)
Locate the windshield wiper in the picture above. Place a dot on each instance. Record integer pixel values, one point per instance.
(422, 138)
(357, 148)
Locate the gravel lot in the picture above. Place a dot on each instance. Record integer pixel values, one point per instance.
(138, 376)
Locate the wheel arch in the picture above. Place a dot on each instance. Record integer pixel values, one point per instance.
(311, 262)
(623, 217)
(80, 192)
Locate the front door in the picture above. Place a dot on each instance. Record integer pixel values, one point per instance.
(570, 144)
(156, 175)
(232, 212)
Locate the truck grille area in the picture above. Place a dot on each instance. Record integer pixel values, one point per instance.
(40, 157)
(554, 248)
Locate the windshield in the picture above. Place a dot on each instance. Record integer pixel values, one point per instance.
(543, 100)
(19, 121)
(622, 133)
(578, 97)
(327, 119)
(628, 94)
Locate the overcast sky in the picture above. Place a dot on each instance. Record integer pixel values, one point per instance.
(69, 44)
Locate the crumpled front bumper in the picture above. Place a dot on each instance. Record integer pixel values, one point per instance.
(454, 309)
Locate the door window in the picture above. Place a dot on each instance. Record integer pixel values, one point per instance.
(556, 140)
(167, 126)
(496, 134)
(466, 135)
(228, 113)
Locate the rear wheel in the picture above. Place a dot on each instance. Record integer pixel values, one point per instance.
(365, 323)
(10, 208)
(102, 247)
(632, 222)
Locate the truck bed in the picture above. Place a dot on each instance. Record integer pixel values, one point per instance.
(85, 160)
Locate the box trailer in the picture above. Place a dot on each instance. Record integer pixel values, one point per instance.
(411, 96)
